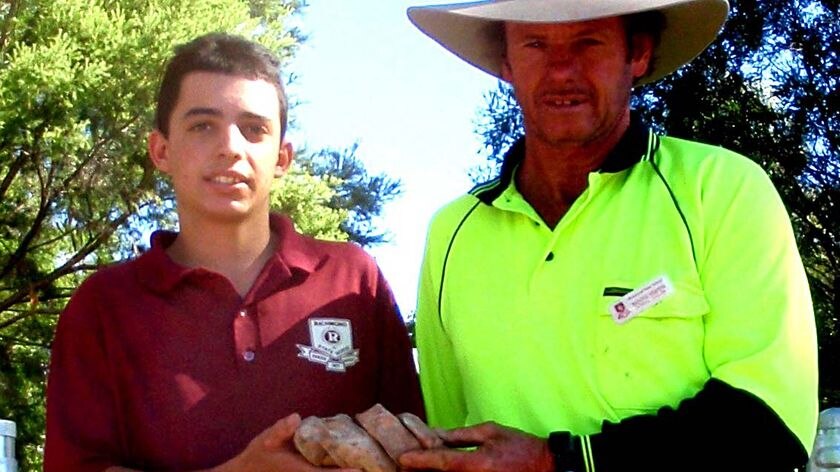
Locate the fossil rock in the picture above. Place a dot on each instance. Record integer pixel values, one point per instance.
(374, 447)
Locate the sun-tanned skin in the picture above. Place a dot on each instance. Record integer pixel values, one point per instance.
(573, 83)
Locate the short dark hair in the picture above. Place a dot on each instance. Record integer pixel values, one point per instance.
(221, 53)
(647, 22)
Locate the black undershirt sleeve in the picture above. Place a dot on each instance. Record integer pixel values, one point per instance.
(722, 428)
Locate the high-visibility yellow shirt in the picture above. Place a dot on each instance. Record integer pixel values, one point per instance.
(516, 322)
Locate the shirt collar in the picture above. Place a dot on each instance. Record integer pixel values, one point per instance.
(294, 255)
(294, 250)
(631, 148)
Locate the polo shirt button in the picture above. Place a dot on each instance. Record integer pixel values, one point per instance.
(243, 312)
(249, 355)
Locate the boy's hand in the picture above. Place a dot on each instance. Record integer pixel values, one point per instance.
(273, 451)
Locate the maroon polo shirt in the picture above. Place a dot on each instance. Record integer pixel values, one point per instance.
(159, 367)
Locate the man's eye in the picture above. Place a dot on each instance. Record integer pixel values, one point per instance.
(588, 42)
(534, 44)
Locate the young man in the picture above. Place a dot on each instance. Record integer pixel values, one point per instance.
(629, 302)
(204, 352)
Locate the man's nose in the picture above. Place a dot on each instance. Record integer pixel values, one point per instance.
(561, 60)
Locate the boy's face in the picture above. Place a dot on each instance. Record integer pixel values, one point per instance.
(224, 147)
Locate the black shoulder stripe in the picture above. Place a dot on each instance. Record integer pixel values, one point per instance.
(655, 147)
(446, 259)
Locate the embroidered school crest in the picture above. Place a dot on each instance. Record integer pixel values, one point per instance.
(332, 344)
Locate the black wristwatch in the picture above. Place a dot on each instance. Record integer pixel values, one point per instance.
(564, 447)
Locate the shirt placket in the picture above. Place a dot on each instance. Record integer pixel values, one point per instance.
(246, 334)
(554, 238)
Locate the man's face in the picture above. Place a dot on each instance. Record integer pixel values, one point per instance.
(224, 147)
(573, 80)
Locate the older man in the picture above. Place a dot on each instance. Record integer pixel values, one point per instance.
(614, 300)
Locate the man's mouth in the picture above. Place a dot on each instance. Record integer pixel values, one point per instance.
(564, 102)
(564, 98)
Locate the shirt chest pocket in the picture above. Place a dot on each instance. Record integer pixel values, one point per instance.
(654, 358)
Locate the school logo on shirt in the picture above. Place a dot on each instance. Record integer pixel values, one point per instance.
(332, 344)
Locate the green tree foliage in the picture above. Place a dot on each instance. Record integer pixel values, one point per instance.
(77, 86)
(767, 88)
(305, 198)
(360, 195)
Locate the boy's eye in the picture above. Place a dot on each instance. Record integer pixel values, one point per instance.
(534, 44)
(201, 126)
(256, 130)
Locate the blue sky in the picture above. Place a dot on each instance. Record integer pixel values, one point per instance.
(366, 74)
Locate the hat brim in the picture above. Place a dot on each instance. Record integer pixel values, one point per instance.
(471, 31)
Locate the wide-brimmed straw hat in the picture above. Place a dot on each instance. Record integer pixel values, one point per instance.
(471, 31)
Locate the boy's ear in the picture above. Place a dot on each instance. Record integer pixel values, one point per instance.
(159, 150)
(284, 159)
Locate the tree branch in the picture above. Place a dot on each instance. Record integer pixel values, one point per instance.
(23, 156)
(23, 342)
(67, 268)
(7, 23)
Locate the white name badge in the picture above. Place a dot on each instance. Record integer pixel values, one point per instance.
(639, 300)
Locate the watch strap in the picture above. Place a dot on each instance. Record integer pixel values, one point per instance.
(566, 450)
